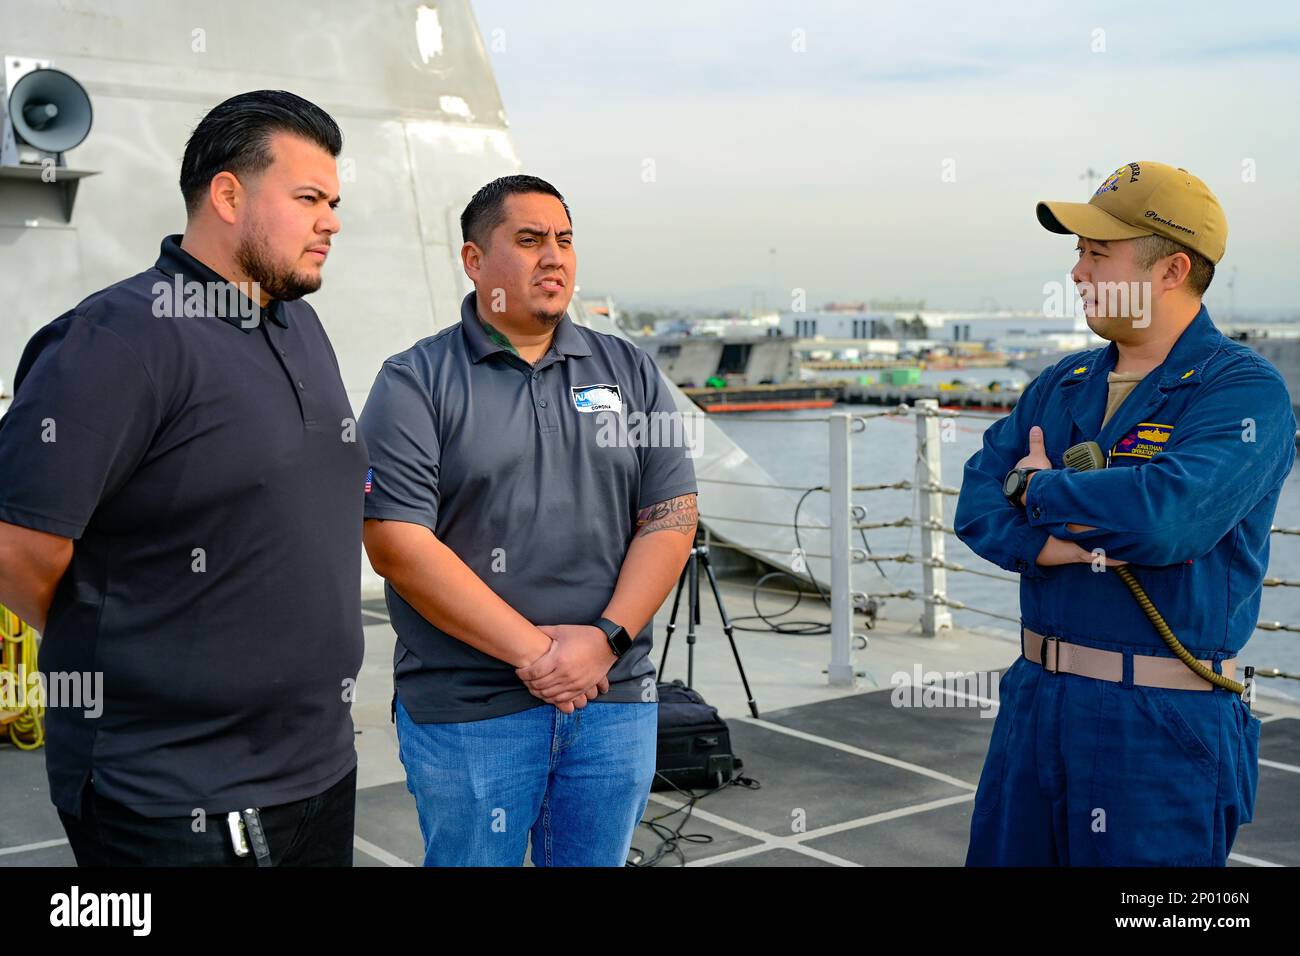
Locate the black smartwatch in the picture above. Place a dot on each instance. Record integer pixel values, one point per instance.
(618, 638)
(1013, 486)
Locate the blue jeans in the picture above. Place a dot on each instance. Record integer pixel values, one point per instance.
(577, 783)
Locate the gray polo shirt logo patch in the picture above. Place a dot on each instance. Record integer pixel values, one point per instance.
(597, 398)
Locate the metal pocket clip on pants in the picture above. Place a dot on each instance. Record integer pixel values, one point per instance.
(245, 830)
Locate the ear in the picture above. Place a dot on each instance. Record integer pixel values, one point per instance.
(471, 258)
(1175, 271)
(226, 195)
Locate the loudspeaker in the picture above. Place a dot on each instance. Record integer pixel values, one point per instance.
(50, 110)
(46, 113)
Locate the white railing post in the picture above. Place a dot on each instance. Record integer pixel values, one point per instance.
(934, 578)
(841, 673)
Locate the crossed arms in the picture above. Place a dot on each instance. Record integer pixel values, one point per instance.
(1232, 445)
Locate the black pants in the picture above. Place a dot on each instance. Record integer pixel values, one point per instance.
(316, 831)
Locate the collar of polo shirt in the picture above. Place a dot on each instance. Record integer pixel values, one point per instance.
(567, 340)
(174, 261)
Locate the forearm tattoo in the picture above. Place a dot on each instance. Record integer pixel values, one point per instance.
(679, 514)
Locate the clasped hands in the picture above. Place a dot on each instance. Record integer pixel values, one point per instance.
(1055, 550)
(573, 670)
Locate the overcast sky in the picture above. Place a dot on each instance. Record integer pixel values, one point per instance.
(693, 138)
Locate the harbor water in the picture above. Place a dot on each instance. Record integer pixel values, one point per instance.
(798, 454)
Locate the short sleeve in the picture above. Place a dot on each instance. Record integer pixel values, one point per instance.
(84, 414)
(667, 468)
(400, 428)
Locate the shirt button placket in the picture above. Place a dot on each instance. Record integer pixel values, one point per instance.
(541, 407)
(276, 339)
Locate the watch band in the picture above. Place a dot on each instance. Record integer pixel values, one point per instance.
(615, 635)
(1023, 476)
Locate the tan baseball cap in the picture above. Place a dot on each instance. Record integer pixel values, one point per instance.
(1144, 199)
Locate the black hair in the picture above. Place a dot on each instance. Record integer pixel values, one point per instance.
(487, 209)
(235, 136)
(1151, 249)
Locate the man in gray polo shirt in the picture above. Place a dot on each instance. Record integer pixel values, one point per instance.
(515, 507)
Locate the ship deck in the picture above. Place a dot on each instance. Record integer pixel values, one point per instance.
(868, 783)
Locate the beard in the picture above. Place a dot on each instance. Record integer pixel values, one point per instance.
(548, 320)
(254, 257)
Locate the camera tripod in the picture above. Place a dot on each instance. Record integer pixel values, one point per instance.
(691, 576)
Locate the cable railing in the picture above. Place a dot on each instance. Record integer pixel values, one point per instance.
(845, 518)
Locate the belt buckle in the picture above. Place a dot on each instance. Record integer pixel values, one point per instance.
(1042, 655)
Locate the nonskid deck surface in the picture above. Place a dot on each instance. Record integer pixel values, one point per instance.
(845, 777)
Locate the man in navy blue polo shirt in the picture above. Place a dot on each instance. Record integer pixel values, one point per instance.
(180, 505)
(530, 510)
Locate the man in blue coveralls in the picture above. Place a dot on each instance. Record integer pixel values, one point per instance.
(1107, 749)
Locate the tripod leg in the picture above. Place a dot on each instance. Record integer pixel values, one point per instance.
(692, 613)
(672, 623)
(727, 629)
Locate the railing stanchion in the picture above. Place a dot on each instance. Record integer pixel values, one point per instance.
(934, 579)
(841, 673)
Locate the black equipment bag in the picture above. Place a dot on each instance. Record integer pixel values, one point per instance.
(694, 743)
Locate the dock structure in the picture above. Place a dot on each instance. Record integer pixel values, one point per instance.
(812, 394)
(690, 361)
(881, 394)
(766, 398)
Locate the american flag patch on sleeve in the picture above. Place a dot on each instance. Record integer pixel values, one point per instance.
(370, 480)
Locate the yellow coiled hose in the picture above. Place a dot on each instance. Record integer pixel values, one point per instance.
(17, 660)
